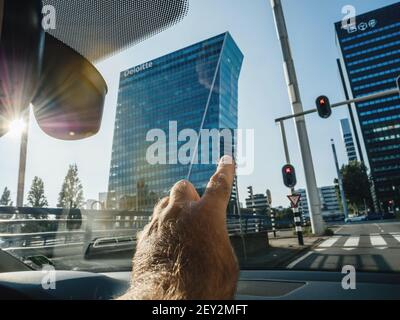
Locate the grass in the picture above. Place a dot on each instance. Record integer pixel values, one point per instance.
(307, 232)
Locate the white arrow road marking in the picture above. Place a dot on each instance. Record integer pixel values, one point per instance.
(352, 242)
(377, 241)
(349, 249)
(329, 242)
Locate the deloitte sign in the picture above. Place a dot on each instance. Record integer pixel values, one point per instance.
(138, 69)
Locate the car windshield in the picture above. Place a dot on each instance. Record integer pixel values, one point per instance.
(304, 95)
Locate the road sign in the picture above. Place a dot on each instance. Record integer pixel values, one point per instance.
(294, 200)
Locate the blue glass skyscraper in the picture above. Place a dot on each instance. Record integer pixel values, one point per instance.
(193, 88)
(371, 55)
(348, 140)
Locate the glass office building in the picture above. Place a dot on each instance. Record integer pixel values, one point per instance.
(370, 51)
(348, 140)
(195, 88)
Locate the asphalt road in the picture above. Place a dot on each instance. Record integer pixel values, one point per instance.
(368, 246)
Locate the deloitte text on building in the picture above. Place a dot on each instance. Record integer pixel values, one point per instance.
(371, 54)
(193, 88)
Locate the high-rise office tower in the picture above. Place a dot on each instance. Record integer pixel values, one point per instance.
(348, 140)
(195, 89)
(370, 51)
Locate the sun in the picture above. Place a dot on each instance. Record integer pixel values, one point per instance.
(16, 127)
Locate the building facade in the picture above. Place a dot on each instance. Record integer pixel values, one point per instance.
(370, 51)
(329, 201)
(303, 204)
(258, 203)
(196, 89)
(348, 140)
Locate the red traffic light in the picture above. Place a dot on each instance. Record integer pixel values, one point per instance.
(323, 107)
(289, 176)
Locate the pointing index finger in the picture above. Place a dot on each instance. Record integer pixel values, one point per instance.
(219, 188)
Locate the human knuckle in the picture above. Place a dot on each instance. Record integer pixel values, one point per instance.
(223, 182)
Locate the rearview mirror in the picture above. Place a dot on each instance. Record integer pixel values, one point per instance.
(69, 101)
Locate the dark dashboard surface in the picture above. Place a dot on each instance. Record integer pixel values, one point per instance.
(254, 285)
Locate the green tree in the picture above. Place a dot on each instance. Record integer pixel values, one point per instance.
(356, 185)
(36, 197)
(5, 199)
(71, 195)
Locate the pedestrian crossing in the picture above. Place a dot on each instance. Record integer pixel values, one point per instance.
(351, 242)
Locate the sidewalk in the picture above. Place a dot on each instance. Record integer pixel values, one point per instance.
(279, 254)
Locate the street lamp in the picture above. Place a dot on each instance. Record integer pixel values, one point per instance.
(24, 123)
(18, 128)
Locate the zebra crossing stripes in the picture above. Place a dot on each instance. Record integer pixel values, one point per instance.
(352, 242)
(329, 242)
(375, 240)
(396, 235)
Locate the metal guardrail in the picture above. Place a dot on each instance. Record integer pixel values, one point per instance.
(26, 229)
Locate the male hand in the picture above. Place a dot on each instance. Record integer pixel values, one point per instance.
(185, 252)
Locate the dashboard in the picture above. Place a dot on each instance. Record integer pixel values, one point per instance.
(253, 285)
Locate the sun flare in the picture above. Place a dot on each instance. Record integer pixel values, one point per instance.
(17, 127)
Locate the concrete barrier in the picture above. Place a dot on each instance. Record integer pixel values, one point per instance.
(250, 243)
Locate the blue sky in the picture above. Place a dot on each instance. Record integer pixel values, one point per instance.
(262, 94)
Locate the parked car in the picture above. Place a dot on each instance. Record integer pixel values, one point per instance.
(356, 219)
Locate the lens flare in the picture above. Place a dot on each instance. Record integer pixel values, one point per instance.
(17, 127)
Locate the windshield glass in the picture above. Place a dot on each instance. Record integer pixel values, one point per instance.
(106, 138)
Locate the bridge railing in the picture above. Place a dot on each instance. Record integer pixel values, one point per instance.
(25, 229)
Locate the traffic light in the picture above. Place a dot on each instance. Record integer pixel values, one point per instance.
(250, 191)
(323, 107)
(289, 176)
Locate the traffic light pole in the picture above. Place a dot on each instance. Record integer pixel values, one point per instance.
(297, 219)
(281, 121)
(340, 179)
(297, 223)
(342, 103)
(294, 96)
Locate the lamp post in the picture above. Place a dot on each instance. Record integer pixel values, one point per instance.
(22, 159)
